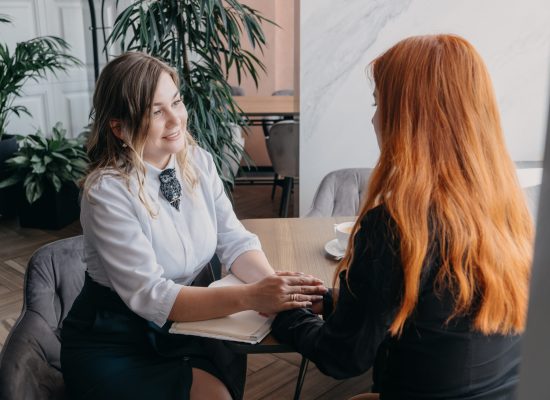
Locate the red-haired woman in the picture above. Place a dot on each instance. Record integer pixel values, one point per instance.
(434, 285)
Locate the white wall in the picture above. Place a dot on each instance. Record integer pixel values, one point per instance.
(340, 37)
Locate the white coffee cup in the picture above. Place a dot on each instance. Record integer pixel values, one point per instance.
(343, 232)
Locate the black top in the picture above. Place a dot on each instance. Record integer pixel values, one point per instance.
(431, 360)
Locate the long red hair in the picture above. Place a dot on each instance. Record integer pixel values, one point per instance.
(444, 173)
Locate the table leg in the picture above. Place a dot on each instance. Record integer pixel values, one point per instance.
(301, 377)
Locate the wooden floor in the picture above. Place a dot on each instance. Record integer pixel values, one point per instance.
(270, 376)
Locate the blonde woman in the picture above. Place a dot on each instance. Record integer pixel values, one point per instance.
(153, 213)
(433, 288)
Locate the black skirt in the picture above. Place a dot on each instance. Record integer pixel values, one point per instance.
(109, 352)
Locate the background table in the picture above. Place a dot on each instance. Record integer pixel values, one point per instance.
(264, 106)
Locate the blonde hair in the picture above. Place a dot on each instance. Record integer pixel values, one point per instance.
(125, 91)
(444, 175)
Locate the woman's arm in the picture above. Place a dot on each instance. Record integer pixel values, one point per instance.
(274, 293)
(251, 266)
(345, 344)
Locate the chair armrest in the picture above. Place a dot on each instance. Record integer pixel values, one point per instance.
(31, 346)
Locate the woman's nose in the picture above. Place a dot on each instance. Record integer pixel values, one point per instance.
(172, 119)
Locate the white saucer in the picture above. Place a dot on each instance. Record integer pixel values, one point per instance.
(333, 248)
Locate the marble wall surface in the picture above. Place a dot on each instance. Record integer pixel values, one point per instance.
(340, 37)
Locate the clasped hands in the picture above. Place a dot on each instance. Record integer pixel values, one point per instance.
(285, 291)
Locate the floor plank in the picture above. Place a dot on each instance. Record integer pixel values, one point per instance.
(266, 380)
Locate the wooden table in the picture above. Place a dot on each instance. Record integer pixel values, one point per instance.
(264, 106)
(298, 244)
(293, 244)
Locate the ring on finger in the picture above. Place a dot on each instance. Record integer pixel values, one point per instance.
(293, 297)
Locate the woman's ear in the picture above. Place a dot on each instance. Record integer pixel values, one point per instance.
(116, 127)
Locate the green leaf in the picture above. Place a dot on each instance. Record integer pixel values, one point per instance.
(34, 191)
(17, 161)
(38, 168)
(5, 18)
(56, 183)
(12, 180)
(59, 156)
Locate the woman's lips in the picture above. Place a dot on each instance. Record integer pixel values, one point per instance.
(172, 136)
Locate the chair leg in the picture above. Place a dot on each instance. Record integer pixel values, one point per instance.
(285, 199)
(301, 378)
(275, 179)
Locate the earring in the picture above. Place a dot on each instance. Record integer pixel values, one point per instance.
(124, 145)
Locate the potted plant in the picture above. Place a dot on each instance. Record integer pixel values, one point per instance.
(47, 168)
(30, 60)
(203, 41)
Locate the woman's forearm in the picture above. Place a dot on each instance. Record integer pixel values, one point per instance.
(199, 303)
(251, 266)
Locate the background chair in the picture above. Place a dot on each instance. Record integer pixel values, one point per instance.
(236, 91)
(340, 193)
(283, 146)
(267, 123)
(29, 362)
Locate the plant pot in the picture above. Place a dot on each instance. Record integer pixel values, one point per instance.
(53, 210)
(8, 196)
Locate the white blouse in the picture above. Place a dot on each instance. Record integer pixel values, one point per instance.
(147, 260)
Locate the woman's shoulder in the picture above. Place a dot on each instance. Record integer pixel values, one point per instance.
(379, 228)
(199, 154)
(377, 217)
(202, 159)
(107, 182)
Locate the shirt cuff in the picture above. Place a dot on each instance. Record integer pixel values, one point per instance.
(328, 304)
(165, 304)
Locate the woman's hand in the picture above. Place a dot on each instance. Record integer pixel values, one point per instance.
(284, 291)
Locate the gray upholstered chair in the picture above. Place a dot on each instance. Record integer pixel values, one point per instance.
(29, 362)
(283, 146)
(267, 123)
(236, 91)
(340, 193)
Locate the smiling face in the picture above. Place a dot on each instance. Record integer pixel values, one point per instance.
(168, 124)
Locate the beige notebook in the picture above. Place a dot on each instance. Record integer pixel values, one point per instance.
(245, 326)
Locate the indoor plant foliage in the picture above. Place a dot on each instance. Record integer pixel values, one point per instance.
(30, 59)
(46, 161)
(202, 39)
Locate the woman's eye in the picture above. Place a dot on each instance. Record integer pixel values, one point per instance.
(157, 112)
(177, 102)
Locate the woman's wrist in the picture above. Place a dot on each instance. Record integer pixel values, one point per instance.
(328, 303)
(247, 295)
